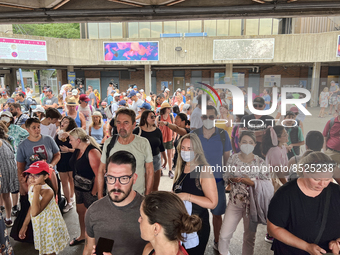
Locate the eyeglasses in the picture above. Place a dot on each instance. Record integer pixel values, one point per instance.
(258, 105)
(211, 117)
(122, 179)
(34, 176)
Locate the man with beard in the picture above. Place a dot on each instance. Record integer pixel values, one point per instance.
(20, 118)
(135, 144)
(116, 215)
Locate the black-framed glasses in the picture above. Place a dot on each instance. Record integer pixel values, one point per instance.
(258, 105)
(211, 117)
(122, 179)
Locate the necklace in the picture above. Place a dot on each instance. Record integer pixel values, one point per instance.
(178, 187)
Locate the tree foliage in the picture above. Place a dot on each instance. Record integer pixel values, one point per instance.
(58, 30)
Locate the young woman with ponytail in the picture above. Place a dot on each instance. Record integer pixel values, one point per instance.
(84, 163)
(163, 221)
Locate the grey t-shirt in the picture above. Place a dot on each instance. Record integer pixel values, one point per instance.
(104, 219)
(332, 89)
(30, 152)
(93, 96)
(51, 101)
(141, 149)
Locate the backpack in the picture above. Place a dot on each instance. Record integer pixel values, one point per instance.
(330, 127)
(221, 132)
(108, 112)
(111, 145)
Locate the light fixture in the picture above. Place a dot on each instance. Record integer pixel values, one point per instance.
(178, 48)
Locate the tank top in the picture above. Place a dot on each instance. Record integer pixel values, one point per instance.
(181, 249)
(97, 134)
(77, 119)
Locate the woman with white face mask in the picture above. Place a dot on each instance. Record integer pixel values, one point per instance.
(195, 183)
(245, 170)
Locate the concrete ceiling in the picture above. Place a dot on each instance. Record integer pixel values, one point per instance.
(36, 11)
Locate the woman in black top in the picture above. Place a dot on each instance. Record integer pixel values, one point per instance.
(199, 187)
(85, 162)
(63, 166)
(179, 127)
(148, 129)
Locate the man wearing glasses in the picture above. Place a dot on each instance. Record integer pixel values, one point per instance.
(258, 124)
(116, 215)
(216, 146)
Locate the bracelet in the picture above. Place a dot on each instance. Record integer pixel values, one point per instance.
(167, 124)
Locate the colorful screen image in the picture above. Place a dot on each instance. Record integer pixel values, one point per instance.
(338, 48)
(131, 51)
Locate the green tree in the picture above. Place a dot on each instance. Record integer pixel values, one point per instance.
(58, 30)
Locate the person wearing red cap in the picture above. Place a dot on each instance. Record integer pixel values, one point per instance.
(86, 109)
(49, 228)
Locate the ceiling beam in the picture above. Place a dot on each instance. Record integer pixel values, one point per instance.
(175, 2)
(127, 3)
(60, 4)
(17, 6)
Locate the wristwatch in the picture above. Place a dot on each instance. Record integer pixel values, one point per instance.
(167, 124)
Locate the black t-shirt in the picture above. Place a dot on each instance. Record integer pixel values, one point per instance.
(301, 215)
(114, 128)
(155, 139)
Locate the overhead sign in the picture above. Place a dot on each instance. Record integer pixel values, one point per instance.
(71, 77)
(21, 49)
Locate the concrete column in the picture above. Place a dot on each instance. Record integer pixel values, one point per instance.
(147, 70)
(70, 68)
(315, 84)
(11, 80)
(228, 73)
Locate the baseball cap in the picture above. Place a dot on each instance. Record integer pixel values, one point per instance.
(124, 94)
(104, 103)
(122, 103)
(259, 100)
(116, 95)
(74, 92)
(38, 167)
(47, 90)
(178, 89)
(20, 94)
(39, 109)
(145, 106)
(7, 113)
(4, 92)
(167, 90)
(10, 100)
(141, 90)
(294, 109)
(84, 97)
(132, 93)
(148, 99)
(135, 86)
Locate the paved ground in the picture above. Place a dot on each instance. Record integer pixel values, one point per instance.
(261, 247)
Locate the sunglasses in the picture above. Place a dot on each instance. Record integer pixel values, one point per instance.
(153, 117)
(211, 117)
(258, 105)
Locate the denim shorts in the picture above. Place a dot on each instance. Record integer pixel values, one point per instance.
(157, 162)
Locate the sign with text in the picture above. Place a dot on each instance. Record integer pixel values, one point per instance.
(21, 49)
(71, 77)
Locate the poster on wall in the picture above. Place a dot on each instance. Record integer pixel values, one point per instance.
(237, 79)
(131, 51)
(71, 77)
(20, 49)
(94, 82)
(338, 47)
(270, 80)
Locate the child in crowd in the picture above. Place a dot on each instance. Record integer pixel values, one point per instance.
(323, 101)
(295, 136)
(49, 228)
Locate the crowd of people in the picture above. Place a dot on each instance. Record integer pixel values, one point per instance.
(105, 154)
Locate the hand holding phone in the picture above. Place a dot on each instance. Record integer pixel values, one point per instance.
(104, 245)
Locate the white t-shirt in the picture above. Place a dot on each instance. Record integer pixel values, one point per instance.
(135, 105)
(195, 118)
(88, 112)
(50, 130)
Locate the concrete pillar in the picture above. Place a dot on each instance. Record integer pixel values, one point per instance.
(11, 80)
(228, 73)
(147, 70)
(70, 68)
(315, 84)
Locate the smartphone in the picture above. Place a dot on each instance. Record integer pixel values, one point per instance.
(104, 245)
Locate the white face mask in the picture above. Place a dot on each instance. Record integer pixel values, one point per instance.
(6, 119)
(247, 148)
(187, 156)
(208, 124)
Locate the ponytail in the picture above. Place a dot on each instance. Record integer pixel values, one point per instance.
(81, 134)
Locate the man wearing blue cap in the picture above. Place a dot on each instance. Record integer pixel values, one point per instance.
(135, 101)
(135, 88)
(142, 108)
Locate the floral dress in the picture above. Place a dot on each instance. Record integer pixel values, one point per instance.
(254, 170)
(49, 228)
(324, 99)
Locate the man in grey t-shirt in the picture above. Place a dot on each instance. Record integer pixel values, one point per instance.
(92, 96)
(116, 215)
(49, 100)
(333, 92)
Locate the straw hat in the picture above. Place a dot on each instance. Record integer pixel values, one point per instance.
(72, 101)
(165, 105)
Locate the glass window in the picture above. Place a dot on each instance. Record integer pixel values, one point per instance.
(156, 29)
(144, 29)
(210, 27)
(235, 27)
(266, 26)
(169, 27)
(117, 30)
(104, 30)
(92, 30)
(222, 27)
(195, 26)
(182, 27)
(276, 23)
(252, 26)
(133, 29)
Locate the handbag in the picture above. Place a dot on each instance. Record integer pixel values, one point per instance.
(83, 183)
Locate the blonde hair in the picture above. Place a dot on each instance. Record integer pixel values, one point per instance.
(97, 113)
(314, 157)
(79, 133)
(196, 146)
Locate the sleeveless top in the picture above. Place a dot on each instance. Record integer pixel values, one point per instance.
(97, 134)
(82, 165)
(181, 249)
(77, 119)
